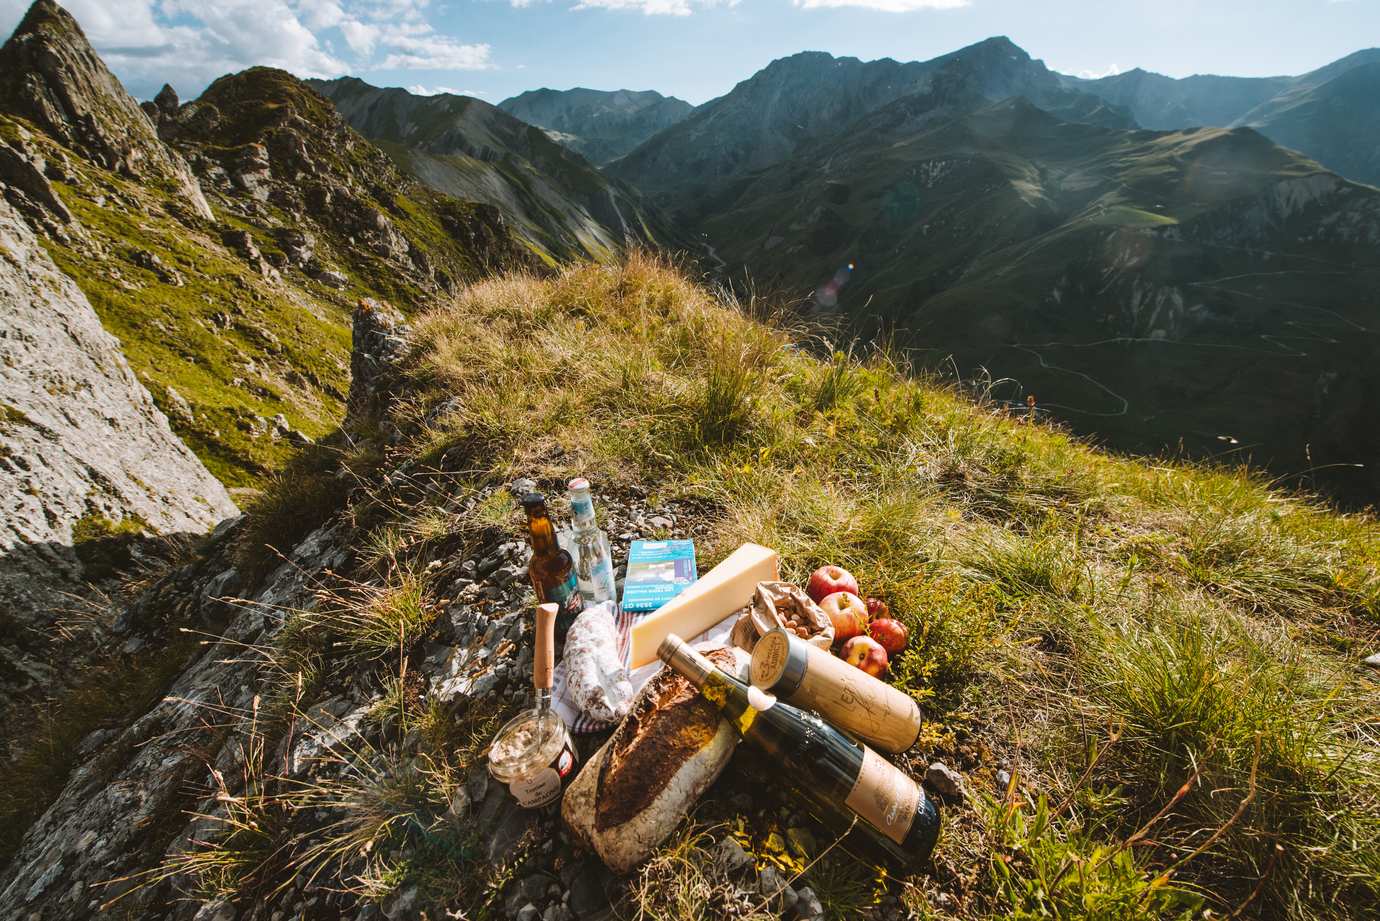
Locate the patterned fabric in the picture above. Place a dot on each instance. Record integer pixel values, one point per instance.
(580, 724)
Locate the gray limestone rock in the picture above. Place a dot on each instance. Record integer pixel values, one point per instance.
(62, 85)
(82, 444)
(944, 779)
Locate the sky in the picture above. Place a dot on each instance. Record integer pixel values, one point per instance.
(694, 49)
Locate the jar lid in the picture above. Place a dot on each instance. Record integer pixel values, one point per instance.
(523, 738)
(778, 663)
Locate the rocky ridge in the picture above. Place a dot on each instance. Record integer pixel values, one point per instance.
(84, 454)
(146, 795)
(52, 77)
(557, 200)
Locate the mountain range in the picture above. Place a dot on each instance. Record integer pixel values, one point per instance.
(1134, 252)
(598, 124)
(1197, 289)
(1332, 114)
(464, 147)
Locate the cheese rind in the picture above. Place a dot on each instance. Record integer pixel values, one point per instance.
(708, 600)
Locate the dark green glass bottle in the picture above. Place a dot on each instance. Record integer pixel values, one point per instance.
(837, 773)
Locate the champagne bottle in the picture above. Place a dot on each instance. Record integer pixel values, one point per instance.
(551, 569)
(837, 773)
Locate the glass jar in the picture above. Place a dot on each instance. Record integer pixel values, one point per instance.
(534, 756)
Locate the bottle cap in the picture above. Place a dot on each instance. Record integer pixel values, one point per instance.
(578, 484)
(533, 500)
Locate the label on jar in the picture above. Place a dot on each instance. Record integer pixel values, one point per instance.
(884, 796)
(543, 786)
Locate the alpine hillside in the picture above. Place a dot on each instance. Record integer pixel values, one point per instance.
(1201, 290)
(1331, 114)
(555, 198)
(600, 125)
(225, 241)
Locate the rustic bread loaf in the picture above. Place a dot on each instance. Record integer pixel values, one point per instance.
(667, 751)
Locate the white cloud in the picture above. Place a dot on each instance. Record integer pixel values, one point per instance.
(419, 90)
(320, 14)
(884, 6)
(360, 36)
(188, 43)
(646, 7)
(434, 52)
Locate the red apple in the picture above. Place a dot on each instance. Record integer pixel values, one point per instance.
(876, 608)
(847, 613)
(867, 654)
(891, 634)
(826, 580)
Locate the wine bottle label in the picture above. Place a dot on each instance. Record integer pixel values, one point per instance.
(884, 796)
(541, 787)
(567, 595)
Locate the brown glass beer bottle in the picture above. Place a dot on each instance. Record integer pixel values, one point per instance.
(551, 569)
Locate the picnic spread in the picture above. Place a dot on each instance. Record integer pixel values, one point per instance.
(683, 667)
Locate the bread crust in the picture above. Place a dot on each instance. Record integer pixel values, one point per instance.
(670, 748)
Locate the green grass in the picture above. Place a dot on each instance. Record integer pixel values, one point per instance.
(297, 353)
(1191, 613)
(1164, 655)
(93, 527)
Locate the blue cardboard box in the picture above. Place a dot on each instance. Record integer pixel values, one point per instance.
(658, 570)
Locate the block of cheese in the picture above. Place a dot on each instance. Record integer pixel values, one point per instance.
(708, 600)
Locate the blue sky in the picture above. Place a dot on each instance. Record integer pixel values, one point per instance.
(695, 49)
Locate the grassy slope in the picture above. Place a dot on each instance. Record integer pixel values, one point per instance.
(296, 341)
(233, 344)
(1165, 656)
(1013, 242)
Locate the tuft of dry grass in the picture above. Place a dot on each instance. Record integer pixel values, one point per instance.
(1164, 653)
(1033, 571)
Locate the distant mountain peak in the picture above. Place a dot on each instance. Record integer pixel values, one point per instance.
(601, 125)
(50, 74)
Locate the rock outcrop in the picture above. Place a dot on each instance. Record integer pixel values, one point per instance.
(50, 74)
(83, 448)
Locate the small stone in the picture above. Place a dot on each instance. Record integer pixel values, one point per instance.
(534, 887)
(807, 906)
(774, 888)
(731, 858)
(1003, 779)
(332, 279)
(400, 903)
(557, 913)
(588, 892)
(523, 485)
(528, 912)
(944, 779)
(217, 910)
(459, 806)
(660, 523)
(1373, 661)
